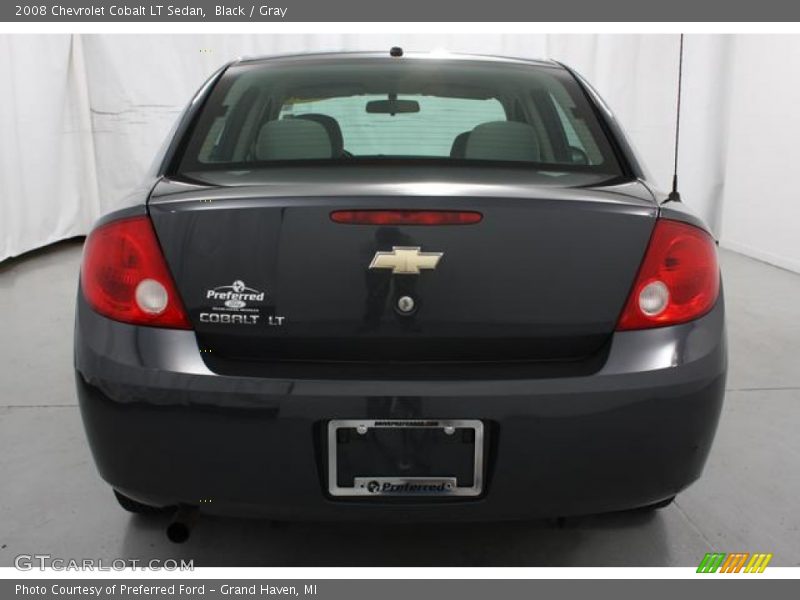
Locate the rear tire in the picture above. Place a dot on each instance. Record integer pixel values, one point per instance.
(133, 506)
(657, 505)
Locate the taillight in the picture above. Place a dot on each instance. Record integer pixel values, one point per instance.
(678, 280)
(125, 278)
(407, 217)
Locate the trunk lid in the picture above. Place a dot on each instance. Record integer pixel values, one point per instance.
(267, 275)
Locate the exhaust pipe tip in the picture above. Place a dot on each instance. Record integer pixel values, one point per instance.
(178, 533)
(179, 530)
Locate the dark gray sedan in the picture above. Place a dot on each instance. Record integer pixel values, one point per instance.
(388, 286)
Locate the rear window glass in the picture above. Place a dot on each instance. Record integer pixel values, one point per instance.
(286, 112)
(429, 132)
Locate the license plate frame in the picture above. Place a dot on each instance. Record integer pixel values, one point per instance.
(434, 486)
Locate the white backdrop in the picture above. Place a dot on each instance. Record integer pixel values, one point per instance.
(84, 115)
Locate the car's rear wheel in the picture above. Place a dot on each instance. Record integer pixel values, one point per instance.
(133, 506)
(657, 505)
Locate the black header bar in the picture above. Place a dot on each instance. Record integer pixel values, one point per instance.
(444, 11)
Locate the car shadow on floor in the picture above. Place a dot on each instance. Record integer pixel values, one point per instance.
(618, 539)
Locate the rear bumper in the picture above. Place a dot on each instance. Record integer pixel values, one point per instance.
(164, 429)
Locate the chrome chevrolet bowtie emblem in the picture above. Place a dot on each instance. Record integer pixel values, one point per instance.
(403, 260)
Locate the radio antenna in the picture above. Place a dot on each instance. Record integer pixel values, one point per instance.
(674, 195)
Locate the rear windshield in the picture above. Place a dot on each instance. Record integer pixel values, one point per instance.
(362, 110)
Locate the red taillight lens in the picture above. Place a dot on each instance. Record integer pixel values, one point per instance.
(125, 278)
(406, 217)
(678, 280)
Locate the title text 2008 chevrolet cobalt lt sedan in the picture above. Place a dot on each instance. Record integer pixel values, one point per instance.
(399, 287)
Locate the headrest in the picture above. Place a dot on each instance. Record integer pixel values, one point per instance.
(459, 147)
(331, 125)
(292, 139)
(503, 140)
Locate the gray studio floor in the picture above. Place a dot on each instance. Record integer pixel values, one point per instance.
(52, 501)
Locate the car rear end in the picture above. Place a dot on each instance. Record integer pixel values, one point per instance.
(373, 287)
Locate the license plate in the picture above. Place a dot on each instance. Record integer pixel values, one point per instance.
(428, 458)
